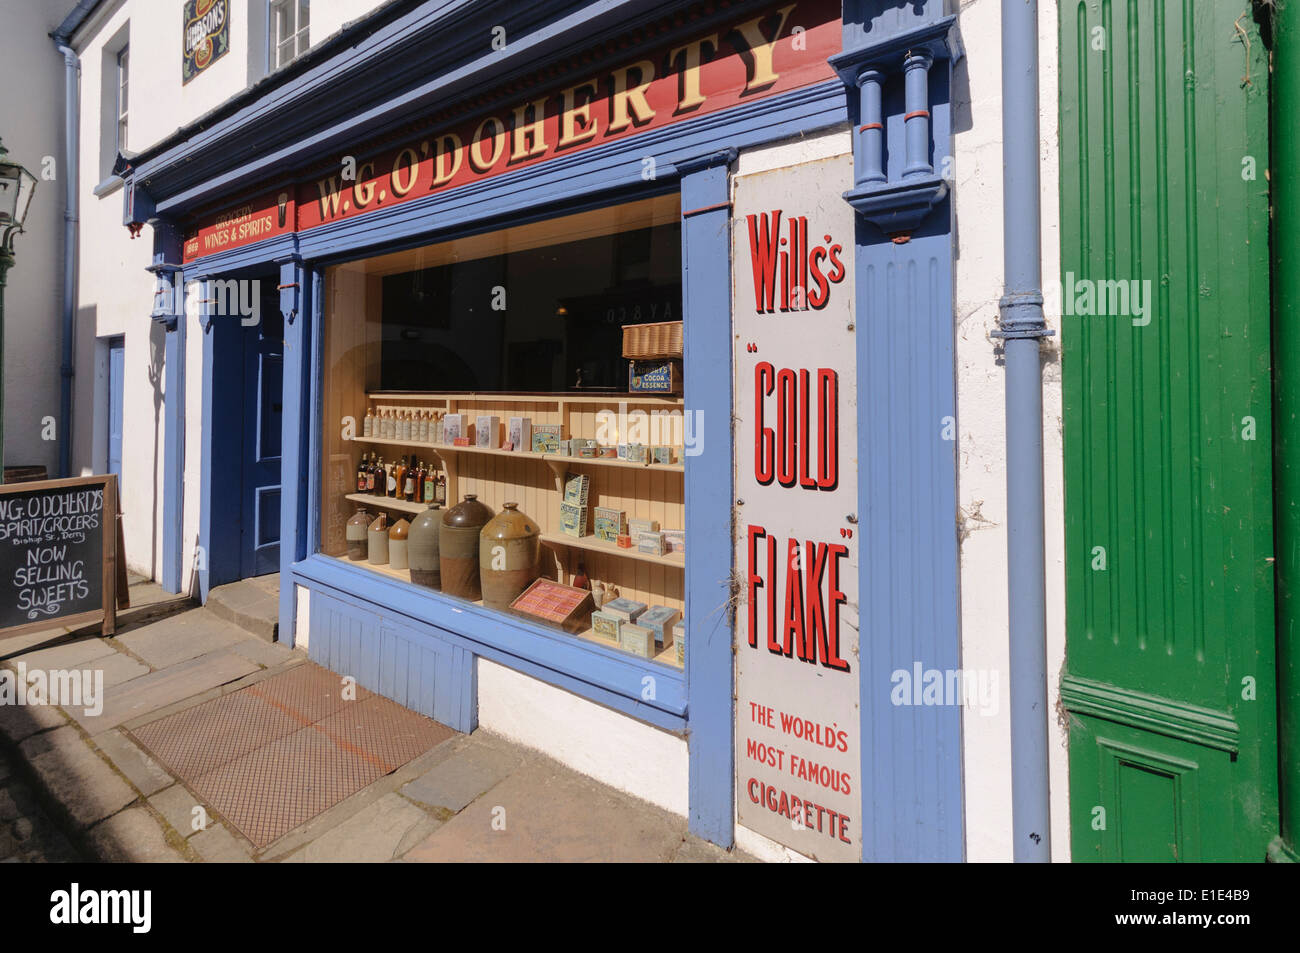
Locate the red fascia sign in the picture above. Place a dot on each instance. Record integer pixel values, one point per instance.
(764, 54)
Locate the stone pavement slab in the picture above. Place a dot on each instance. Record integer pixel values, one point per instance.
(141, 770)
(67, 655)
(176, 804)
(157, 690)
(18, 722)
(181, 637)
(217, 845)
(263, 653)
(544, 812)
(75, 776)
(119, 668)
(472, 770)
(381, 832)
(132, 836)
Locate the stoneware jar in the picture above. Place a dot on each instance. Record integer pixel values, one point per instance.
(458, 547)
(378, 534)
(356, 535)
(422, 547)
(509, 556)
(397, 544)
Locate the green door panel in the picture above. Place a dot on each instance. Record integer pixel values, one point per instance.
(1168, 492)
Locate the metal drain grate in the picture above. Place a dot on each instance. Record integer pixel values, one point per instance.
(270, 757)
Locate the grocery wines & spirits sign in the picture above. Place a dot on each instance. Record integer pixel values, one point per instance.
(798, 744)
(207, 35)
(758, 55)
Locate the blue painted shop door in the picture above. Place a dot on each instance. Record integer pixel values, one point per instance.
(263, 393)
(116, 390)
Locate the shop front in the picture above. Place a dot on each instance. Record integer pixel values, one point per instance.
(590, 403)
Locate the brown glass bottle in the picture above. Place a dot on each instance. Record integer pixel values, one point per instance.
(408, 481)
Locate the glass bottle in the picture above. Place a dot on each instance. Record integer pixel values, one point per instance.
(440, 490)
(368, 427)
(429, 486)
(361, 474)
(422, 427)
(408, 481)
(372, 476)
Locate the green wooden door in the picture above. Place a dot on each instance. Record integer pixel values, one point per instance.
(1169, 681)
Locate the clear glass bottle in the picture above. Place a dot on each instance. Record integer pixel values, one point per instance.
(368, 426)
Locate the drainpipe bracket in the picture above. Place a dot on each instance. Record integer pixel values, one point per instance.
(1021, 316)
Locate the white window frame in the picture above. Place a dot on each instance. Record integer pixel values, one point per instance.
(122, 99)
(295, 41)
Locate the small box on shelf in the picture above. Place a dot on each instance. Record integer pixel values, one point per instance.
(610, 523)
(487, 430)
(661, 621)
(606, 626)
(577, 488)
(636, 639)
(629, 610)
(573, 520)
(520, 433)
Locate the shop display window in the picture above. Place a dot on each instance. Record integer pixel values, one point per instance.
(503, 423)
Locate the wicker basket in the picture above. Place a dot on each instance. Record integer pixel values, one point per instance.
(651, 341)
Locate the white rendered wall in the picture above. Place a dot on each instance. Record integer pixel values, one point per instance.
(982, 493)
(612, 748)
(32, 126)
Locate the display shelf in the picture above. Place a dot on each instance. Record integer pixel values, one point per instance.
(440, 449)
(386, 397)
(597, 545)
(667, 656)
(387, 503)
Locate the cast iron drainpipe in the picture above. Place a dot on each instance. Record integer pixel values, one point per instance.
(71, 71)
(1021, 325)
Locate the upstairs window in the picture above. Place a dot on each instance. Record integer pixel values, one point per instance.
(288, 34)
(123, 59)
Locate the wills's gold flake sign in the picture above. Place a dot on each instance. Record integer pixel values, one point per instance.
(798, 744)
(757, 55)
(207, 35)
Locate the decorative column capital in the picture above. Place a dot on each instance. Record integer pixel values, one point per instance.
(897, 203)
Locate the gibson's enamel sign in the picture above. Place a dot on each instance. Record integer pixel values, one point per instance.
(206, 37)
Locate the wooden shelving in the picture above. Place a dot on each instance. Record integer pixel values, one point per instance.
(441, 450)
(536, 481)
(667, 656)
(387, 503)
(390, 398)
(590, 543)
(595, 544)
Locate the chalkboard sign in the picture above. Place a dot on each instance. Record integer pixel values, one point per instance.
(58, 554)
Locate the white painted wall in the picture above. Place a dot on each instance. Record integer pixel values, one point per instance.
(982, 492)
(31, 123)
(616, 750)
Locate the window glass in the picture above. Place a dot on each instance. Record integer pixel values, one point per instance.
(290, 22)
(498, 366)
(123, 59)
